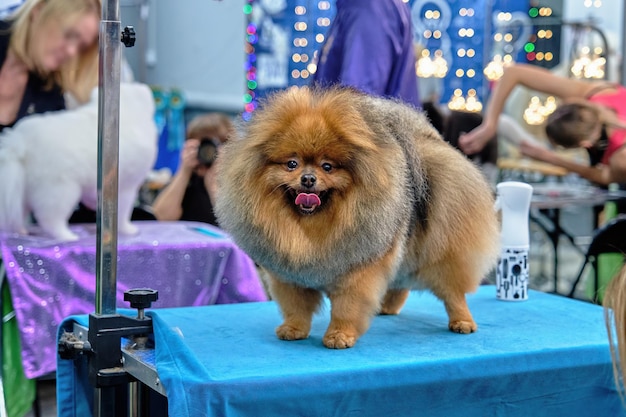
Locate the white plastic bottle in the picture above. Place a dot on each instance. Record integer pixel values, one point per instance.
(513, 200)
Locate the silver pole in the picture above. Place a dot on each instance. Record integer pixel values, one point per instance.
(108, 147)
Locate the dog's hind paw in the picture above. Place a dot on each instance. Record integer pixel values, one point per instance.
(287, 332)
(338, 340)
(393, 302)
(464, 327)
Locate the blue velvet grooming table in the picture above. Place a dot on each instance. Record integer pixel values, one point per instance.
(548, 356)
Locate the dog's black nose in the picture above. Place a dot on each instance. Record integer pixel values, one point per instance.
(308, 180)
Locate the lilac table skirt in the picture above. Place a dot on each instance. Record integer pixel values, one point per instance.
(190, 264)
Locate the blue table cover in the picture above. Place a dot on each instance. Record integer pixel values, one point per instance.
(547, 356)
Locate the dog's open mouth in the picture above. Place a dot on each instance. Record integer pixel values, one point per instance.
(308, 203)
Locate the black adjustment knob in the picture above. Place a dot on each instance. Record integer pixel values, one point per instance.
(141, 298)
(128, 36)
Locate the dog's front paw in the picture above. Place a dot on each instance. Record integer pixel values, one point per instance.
(337, 339)
(287, 332)
(66, 236)
(128, 229)
(461, 326)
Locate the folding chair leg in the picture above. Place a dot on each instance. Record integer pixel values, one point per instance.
(577, 280)
(596, 282)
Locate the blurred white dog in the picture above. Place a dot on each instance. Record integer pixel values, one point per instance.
(48, 163)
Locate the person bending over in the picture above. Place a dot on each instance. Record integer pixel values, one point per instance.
(592, 116)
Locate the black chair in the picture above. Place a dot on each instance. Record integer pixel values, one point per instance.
(610, 238)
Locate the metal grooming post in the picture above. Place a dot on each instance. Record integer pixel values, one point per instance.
(113, 385)
(108, 148)
(108, 152)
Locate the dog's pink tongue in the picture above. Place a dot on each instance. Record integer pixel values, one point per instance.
(308, 200)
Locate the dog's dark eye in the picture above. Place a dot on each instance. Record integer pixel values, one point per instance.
(292, 164)
(327, 167)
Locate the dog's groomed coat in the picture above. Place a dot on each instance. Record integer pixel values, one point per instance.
(338, 193)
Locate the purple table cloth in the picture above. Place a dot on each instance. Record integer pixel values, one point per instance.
(189, 263)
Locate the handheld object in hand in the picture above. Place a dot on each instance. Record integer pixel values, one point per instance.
(207, 151)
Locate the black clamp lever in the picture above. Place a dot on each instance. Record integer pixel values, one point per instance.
(128, 36)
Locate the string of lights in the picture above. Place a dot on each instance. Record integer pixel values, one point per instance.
(250, 96)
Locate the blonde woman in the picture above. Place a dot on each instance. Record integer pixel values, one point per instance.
(615, 317)
(47, 48)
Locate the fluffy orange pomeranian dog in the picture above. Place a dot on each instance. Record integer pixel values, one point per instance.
(337, 193)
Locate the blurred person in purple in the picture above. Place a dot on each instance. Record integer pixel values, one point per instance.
(369, 46)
